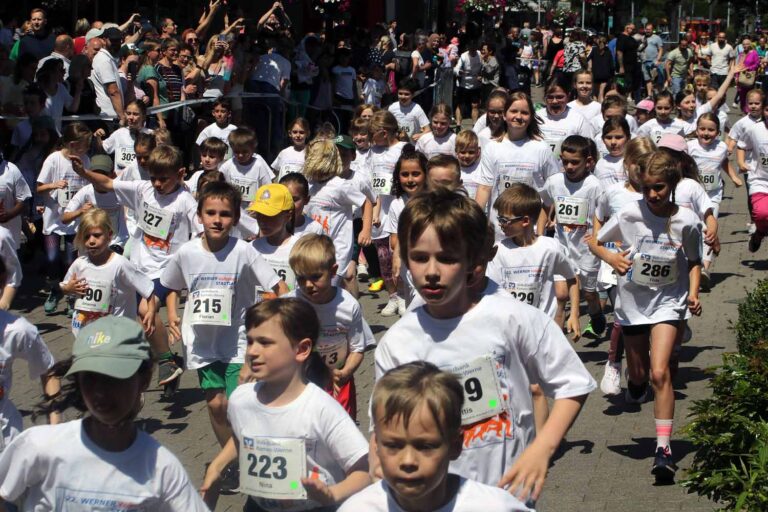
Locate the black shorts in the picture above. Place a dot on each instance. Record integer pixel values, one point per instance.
(645, 329)
(466, 97)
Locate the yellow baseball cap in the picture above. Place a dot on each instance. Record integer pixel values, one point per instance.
(271, 200)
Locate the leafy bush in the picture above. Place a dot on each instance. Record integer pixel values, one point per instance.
(752, 325)
(730, 429)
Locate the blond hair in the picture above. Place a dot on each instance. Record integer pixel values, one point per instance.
(165, 159)
(402, 391)
(93, 218)
(312, 253)
(323, 161)
(384, 120)
(163, 136)
(633, 152)
(465, 139)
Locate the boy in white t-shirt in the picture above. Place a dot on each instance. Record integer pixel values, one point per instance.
(409, 115)
(344, 333)
(246, 170)
(571, 197)
(297, 448)
(166, 218)
(496, 344)
(222, 111)
(212, 153)
(14, 194)
(416, 412)
(221, 274)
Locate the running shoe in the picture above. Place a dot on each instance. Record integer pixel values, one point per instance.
(362, 272)
(392, 307)
(169, 370)
(51, 302)
(644, 397)
(754, 242)
(376, 285)
(401, 307)
(706, 281)
(664, 467)
(611, 381)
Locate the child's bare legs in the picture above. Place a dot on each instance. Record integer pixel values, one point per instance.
(588, 284)
(475, 110)
(561, 294)
(540, 407)
(216, 400)
(349, 280)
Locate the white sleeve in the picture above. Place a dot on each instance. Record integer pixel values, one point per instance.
(25, 343)
(12, 263)
(486, 176)
(546, 196)
(692, 242)
(493, 270)
(390, 223)
(77, 201)
(179, 495)
(421, 117)
(203, 135)
(265, 275)
(563, 265)
(342, 437)
(356, 334)
(127, 193)
(110, 143)
(103, 72)
(20, 186)
(610, 231)
(21, 466)
(137, 280)
(173, 275)
(48, 171)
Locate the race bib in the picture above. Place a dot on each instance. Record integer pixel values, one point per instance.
(333, 347)
(606, 275)
(155, 221)
(96, 299)
(211, 306)
(284, 272)
(272, 467)
(710, 178)
(554, 145)
(763, 161)
(64, 195)
(288, 169)
(525, 292)
(381, 180)
(125, 157)
(571, 210)
(246, 187)
(482, 393)
(656, 136)
(653, 271)
(519, 172)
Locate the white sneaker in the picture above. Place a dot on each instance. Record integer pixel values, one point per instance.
(401, 308)
(611, 382)
(391, 308)
(362, 272)
(751, 228)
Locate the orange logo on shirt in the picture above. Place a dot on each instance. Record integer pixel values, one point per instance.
(153, 242)
(500, 426)
(323, 222)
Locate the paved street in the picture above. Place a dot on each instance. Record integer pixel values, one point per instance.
(604, 464)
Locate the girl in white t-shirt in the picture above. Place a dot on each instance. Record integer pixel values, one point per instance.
(584, 102)
(315, 446)
(559, 120)
(276, 217)
(615, 135)
(44, 468)
(496, 128)
(121, 142)
(658, 285)
(441, 140)
(57, 184)
(522, 156)
(755, 141)
(291, 159)
(104, 282)
(298, 186)
(663, 122)
(688, 106)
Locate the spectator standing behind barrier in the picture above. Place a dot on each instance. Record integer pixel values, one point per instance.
(721, 54)
(40, 41)
(271, 76)
(63, 49)
(149, 79)
(468, 93)
(105, 76)
(653, 52)
(679, 66)
(626, 57)
(489, 73)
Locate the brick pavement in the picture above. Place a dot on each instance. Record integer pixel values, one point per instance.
(604, 463)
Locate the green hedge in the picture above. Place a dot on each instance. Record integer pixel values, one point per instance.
(752, 325)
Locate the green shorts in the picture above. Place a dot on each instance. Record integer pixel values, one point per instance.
(219, 375)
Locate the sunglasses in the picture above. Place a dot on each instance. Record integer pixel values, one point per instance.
(503, 221)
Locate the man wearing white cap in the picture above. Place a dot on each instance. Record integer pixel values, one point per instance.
(104, 73)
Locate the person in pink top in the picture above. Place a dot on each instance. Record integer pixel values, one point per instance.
(751, 61)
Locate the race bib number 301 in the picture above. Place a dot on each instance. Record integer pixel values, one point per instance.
(246, 187)
(482, 393)
(272, 467)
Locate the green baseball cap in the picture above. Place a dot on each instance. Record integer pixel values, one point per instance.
(112, 346)
(344, 141)
(102, 163)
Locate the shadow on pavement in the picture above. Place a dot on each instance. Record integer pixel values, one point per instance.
(566, 446)
(644, 447)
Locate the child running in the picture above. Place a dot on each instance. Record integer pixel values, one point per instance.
(615, 135)
(441, 140)
(122, 141)
(297, 448)
(246, 170)
(659, 271)
(291, 159)
(298, 186)
(221, 127)
(755, 141)
(110, 368)
(468, 153)
(440, 234)
(416, 412)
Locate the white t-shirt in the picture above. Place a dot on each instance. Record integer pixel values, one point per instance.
(524, 161)
(121, 144)
(690, 124)
(691, 194)
(420, 76)
(482, 122)
(598, 122)
(660, 248)
(54, 105)
(174, 214)
(613, 199)
(247, 178)
(471, 495)
(309, 226)
(342, 327)
(524, 347)
(411, 118)
(10, 258)
(739, 131)
(332, 441)
(277, 258)
(594, 109)
(13, 189)
(56, 167)
(528, 273)
(107, 202)
(431, 145)
(214, 130)
(332, 204)
(756, 140)
(469, 178)
(58, 467)
(721, 57)
(381, 168)
(113, 286)
(655, 130)
(289, 160)
(610, 170)
(575, 204)
(709, 160)
(20, 340)
(228, 278)
(468, 70)
(555, 129)
(104, 72)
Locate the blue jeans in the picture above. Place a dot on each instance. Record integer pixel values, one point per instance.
(678, 82)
